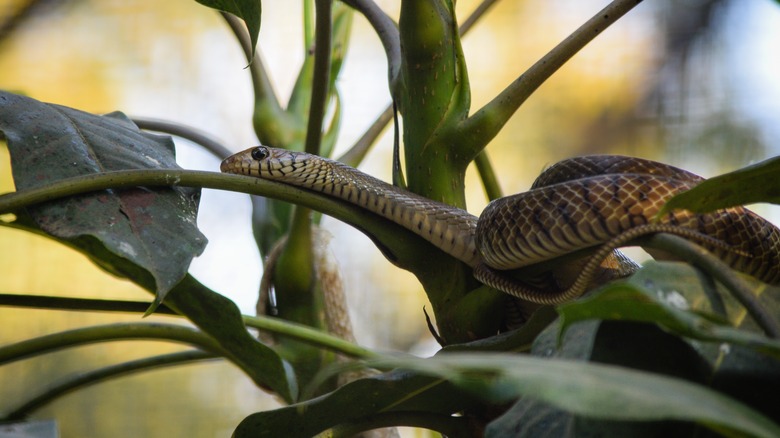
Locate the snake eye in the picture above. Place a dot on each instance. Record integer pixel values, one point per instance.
(260, 153)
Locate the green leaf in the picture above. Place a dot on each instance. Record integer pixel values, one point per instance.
(665, 307)
(756, 183)
(248, 10)
(392, 392)
(148, 235)
(642, 347)
(597, 391)
(220, 318)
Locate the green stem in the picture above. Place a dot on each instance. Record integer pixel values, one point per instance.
(186, 132)
(261, 83)
(397, 243)
(281, 131)
(11, 202)
(390, 38)
(82, 380)
(274, 325)
(309, 335)
(355, 155)
(308, 25)
(80, 304)
(388, 34)
(320, 81)
(472, 19)
(113, 332)
(478, 130)
(488, 176)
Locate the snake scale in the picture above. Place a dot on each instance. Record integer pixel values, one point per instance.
(602, 201)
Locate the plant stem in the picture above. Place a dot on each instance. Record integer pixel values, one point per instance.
(82, 380)
(476, 132)
(396, 243)
(472, 19)
(309, 335)
(261, 84)
(320, 81)
(80, 304)
(187, 132)
(354, 156)
(274, 325)
(488, 176)
(388, 34)
(112, 332)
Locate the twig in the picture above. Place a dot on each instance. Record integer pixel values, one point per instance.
(488, 176)
(82, 380)
(80, 304)
(321, 76)
(111, 332)
(472, 19)
(187, 132)
(358, 151)
(476, 131)
(387, 30)
(260, 81)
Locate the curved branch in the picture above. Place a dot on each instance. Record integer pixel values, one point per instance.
(260, 81)
(274, 325)
(112, 332)
(83, 380)
(472, 19)
(387, 30)
(80, 304)
(488, 176)
(309, 335)
(399, 245)
(355, 155)
(320, 86)
(186, 132)
(477, 131)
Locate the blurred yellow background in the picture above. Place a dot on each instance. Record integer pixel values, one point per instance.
(662, 83)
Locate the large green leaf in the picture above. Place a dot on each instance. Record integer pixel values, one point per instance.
(146, 234)
(221, 318)
(664, 306)
(638, 346)
(756, 183)
(248, 10)
(363, 398)
(598, 391)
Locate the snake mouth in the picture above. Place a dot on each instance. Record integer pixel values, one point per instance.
(226, 165)
(234, 164)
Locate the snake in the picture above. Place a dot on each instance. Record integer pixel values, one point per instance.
(595, 202)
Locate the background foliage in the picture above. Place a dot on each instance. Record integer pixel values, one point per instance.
(620, 124)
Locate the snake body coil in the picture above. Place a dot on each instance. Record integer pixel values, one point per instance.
(576, 204)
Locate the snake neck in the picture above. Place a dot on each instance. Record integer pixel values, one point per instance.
(448, 228)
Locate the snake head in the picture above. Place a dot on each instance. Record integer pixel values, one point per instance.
(261, 161)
